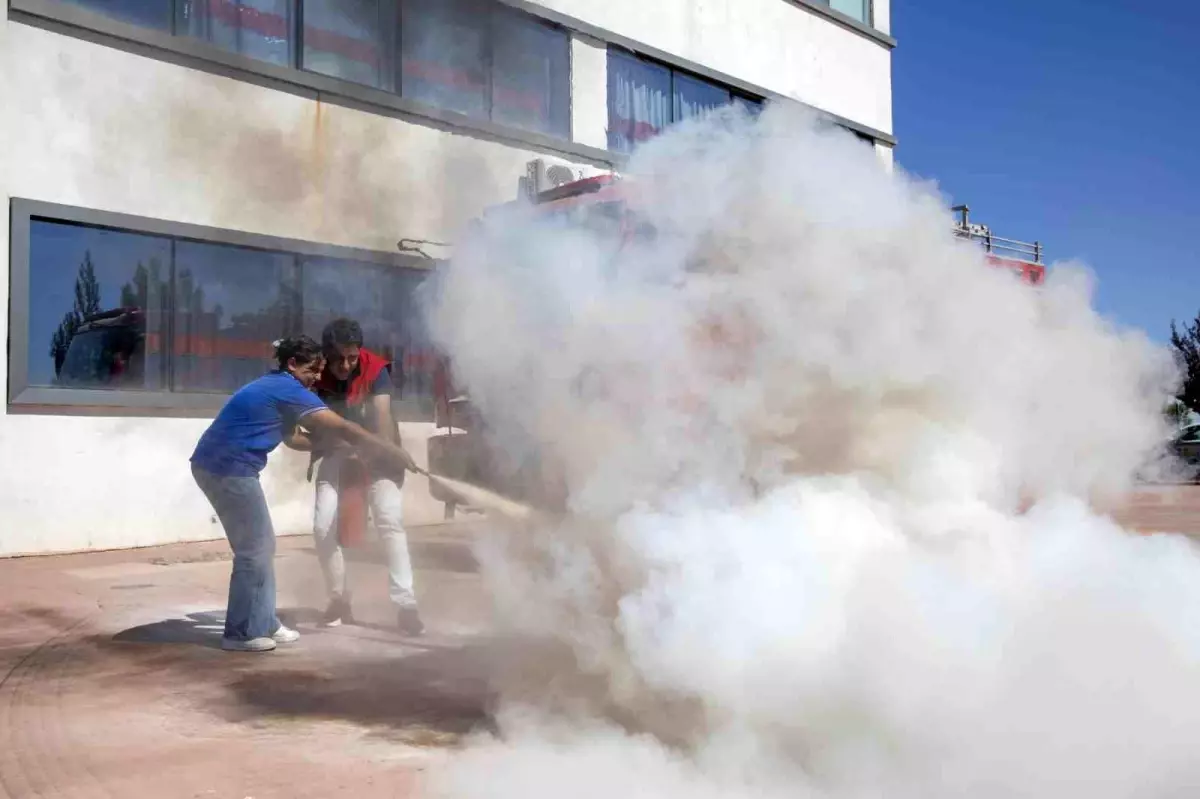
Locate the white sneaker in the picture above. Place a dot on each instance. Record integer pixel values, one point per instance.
(285, 635)
(247, 644)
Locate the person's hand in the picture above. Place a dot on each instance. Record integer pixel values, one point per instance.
(405, 459)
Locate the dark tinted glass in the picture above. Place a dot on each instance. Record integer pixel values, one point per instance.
(260, 29)
(97, 307)
(443, 49)
(639, 100)
(694, 96)
(382, 300)
(752, 107)
(347, 39)
(530, 75)
(147, 13)
(230, 304)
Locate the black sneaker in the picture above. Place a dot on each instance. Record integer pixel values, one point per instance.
(337, 612)
(409, 621)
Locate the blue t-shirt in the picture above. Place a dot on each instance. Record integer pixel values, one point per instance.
(252, 423)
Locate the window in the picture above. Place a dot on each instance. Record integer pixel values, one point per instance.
(260, 29)
(147, 13)
(531, 75)
(639, 100)
(478, 58)
(855, 9)
(694, 97)
(644, 97)
(115, 313)
(230, 303)
(381, 299)
(487, 62)
(444, 48)
(97, 310)
(349, 39)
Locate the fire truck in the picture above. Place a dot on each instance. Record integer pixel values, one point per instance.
(1025, 258)
(459, 447)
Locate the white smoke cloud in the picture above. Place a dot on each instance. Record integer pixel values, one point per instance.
(830, 474)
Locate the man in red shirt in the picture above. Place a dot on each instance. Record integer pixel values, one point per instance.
(356, 383)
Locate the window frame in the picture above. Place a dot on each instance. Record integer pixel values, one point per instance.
(868, 10)
(501, 13)
(24, 398)
(85, 23)
(179, 30)
(735, 93)
(79, 22)
(463, 8)
(609, 99)
(490, 15)
(389, 20)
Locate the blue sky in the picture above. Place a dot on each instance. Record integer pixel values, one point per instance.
(1069, 121)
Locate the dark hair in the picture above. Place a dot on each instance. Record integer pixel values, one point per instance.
(341, 333)
(303, 348)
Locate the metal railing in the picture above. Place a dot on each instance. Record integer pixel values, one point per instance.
(996, 245)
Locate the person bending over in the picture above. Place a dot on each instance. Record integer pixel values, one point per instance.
(226, 465)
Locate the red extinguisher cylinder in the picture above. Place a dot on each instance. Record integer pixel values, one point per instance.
(352, 503)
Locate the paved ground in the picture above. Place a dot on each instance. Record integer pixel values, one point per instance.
(114, 686)
(111, 684)
(1174, 509)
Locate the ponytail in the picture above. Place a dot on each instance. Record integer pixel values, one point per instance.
(303, 348)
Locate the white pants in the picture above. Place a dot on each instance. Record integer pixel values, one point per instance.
(387, 505)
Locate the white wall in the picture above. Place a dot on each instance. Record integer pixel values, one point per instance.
(96, 127)
(775, 44)
(887, 155)
(589, 91)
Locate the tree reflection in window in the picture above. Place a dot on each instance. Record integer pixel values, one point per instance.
(143, 312)
(112, 309)
(80, 306)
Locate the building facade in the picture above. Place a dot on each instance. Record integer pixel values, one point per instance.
(188, 180)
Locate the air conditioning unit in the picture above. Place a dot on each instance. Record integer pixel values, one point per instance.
(539, 177)
(559, 175)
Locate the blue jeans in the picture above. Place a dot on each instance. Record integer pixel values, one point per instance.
(242, 509)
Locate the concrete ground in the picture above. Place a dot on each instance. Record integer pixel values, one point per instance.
(112, 685)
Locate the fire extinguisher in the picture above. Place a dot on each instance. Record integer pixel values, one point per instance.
(353, 481)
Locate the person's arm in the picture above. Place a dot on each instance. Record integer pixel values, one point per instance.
(298, 440)
(385, 424)
(381, 407)
(326, 422)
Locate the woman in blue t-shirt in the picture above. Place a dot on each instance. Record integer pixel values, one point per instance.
(226, 465)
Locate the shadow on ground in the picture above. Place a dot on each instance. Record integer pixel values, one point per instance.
(206, 628)
(202, 629)
(422, 692)
(429, 698)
